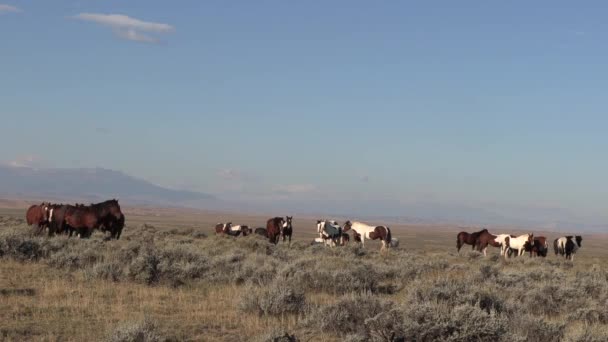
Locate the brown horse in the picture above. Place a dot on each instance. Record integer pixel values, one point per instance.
(468, 238)
(484, 239)
(273, 229)
(37, 215)
(81, 220)
(110, 217)
(540, 247)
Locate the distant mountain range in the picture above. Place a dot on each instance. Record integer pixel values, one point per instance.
(90, 184)
(98, 184)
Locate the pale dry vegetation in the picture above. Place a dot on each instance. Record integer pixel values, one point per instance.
(180, 284)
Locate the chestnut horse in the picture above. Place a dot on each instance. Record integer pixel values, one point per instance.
(470, 239)
(37, 215)
(540, 247)
(273, 229)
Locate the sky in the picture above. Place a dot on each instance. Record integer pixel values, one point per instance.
(498, 105)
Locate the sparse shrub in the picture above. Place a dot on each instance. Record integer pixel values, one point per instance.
(347, 315)
(145, 267)
(531, 328)
(426, 322)
(143, 331)
(110, 270)
(278, 299)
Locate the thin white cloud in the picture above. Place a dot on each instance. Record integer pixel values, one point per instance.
(295, 188)
(128, 28)
(8, 9)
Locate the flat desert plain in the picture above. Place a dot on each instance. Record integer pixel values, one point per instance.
(170, 278)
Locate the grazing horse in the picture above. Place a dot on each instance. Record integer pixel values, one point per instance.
(37, 215)
(518, 243)
(287, 228)
(241, 229)
(223, 228)
(110, 217)
(370, 232)
(273, 229)
(467, 238)
(330, 232)
(484, 239)
(261, 231)
(539, 248)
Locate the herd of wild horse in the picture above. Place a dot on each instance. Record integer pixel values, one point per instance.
(106, 216)
(77, 219)
(330, 232)
(510, 244)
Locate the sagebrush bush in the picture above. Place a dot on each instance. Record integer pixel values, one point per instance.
(142, 331)
(277, 299)
(347, 315)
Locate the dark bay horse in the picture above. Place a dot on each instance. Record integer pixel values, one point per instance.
(468, 238)
(287, 229)
(81, 220)
(110, 217)
(273, 229)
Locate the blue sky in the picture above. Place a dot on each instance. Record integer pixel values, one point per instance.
(489, 104)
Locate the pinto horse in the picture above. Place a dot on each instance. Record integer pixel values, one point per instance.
(468, 238)
(383, 233)
(331, 231)
(518, 243)
(223, 228)
(240, 229)
(287, 229)
(484, 239)
(273, 229)
(566, 247)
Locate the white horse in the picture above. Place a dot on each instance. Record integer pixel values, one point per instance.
(370, 232)
(518, 243)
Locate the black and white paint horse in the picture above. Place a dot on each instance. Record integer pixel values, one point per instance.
(287, 229)
(567, 246)
(330, 233)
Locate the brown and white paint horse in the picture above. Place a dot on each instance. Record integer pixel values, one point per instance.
(223, 228)
(518, 243)
(383, 233)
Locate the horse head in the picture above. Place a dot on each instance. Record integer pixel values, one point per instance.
(578, 239)
(347, 226)
(531, 239)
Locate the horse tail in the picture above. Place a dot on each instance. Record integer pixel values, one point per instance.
(389, 237)
(458, 242)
